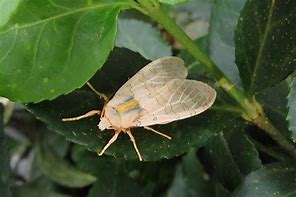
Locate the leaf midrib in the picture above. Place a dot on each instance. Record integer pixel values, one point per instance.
(262, 47)
(114, 4)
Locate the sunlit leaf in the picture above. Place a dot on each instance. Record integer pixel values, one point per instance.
(50, 48)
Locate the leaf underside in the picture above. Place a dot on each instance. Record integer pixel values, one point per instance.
(225, 14)
(141, 37)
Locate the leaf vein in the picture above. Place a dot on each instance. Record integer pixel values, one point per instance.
(37, 45)
(72, 40)
(11, 48)
(262, 46)
(63, 15)
(58, 6)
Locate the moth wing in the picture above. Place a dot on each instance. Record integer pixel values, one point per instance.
(146, 82)
(178, 99)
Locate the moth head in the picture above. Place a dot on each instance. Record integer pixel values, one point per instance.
(104, 124)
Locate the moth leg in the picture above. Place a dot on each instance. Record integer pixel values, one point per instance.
(134, 143)
(88, 114)
(111, 141)
(101, 95)
(157, 132)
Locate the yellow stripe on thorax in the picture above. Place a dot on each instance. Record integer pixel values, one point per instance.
(129, 105)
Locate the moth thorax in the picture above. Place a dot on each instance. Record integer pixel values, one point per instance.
(110, 119)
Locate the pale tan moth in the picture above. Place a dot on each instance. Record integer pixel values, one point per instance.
(157, 94)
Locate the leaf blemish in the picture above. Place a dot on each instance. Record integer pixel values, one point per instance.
(45, 80)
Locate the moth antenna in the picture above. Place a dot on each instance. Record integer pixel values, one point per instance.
(88, 114)
(101, 95)
(157, 132)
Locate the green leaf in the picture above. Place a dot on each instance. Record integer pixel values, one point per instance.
(59, 171)
(50, 48)
(292, 109)
(275, 103)
(37, 185)
(272, 180)
(225, 14)
(4, 160)
(194, 67)
(131, 177)
(141, 37)
(190, 178)
(225, 168)
(244, 153)
(114, 185)
(55, 142)
(33, 192)
(265, 43)
(197, 180)
(173, 2)
(7, 7)
(232, 160)
(220, 191)
(178, 187)
(192, 132)
(197, 71)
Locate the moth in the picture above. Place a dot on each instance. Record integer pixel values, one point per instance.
(159, 93)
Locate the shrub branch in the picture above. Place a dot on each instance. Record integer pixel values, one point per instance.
(252, 110)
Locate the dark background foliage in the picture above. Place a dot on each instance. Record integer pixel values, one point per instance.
(49, 49)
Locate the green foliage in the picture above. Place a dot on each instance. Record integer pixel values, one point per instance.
(7, 7)
(185, 134)
(276, 106)
(129, 178)
(196, 179)
(225, 14)
(292, 107)
(4, 159)
(265, 53)
(225, 167)
(141, 37)
(56, 46)
(272, 180)
(59, 171)
(172, 2)
(244, 153)
(241, 146)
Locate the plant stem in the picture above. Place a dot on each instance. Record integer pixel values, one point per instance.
(268, 150)
(166, 22)
(252, 110)
(264, 123)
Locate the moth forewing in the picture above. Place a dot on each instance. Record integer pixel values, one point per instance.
(156, 94)
(153, 76)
